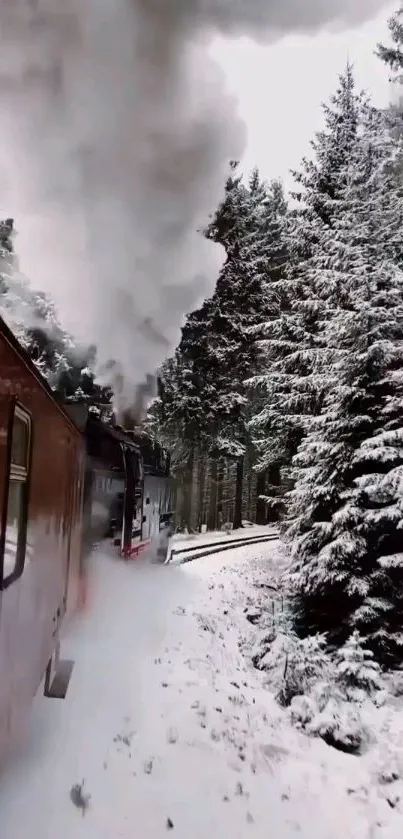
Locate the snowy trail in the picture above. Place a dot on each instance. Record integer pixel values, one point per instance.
(171, 729)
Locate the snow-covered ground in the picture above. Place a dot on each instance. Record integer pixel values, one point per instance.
(171, 729)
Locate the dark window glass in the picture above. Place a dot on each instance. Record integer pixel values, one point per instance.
(16, 523)
(19, 444)
(15, 520)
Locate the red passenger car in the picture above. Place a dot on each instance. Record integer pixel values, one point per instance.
(42, 461)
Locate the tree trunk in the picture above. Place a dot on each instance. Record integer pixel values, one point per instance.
(202, 484)
(261, 514)
(238, 493)
(274, 478)
(220, 486)
(187, 492)
(212, 507)
(249, 513)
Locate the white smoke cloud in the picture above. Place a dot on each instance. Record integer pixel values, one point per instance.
(115, 139)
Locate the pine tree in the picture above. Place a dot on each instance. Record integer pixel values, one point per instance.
(10, 296)
(237, 307)
(33, 318)
(176, 418)
(321, 179)
(357, 672)
(291, 383)
(176, 415)
(6, 248)
(204, 392)
(392, 55)
(347, 503)
(188, 398)
(228, 224)
(216, 339)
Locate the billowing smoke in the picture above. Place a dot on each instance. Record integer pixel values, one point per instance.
(115, 137)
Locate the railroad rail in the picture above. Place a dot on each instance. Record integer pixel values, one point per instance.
(200, 551)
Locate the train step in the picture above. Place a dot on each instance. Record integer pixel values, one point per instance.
(57, 681)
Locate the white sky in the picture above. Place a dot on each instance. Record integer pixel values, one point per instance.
(280, 88)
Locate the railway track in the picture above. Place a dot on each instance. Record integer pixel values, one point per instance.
(191, 553)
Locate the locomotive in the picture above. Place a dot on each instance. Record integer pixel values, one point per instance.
(128, 492)
(67, 481)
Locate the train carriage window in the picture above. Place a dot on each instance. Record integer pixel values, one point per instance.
(16, 521)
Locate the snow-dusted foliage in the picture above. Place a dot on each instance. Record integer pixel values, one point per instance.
(324, 693)
(346, 507)
(357, 673)
(33, 318)
(294, 373)
(294, 665)
(392, 54)
(328, 715)
(203, 400)
(332, 707)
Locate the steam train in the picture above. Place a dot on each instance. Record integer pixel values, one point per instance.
(128, 493)
(67, 480)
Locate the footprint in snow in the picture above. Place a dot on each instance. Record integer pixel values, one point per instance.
(148, 766)
(202, 711)
(79, 798)
(172, 735)
(239, 790)
(125, 739)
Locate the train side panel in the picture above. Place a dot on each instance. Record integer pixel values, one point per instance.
(41, 463)
(75, 565)
(158, 507)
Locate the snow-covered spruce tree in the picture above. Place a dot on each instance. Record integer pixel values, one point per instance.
(188, 395)
(322, 177)
(392, 55)
(176, 419)
(12, 298)
(358, 675)
(290, 384)
(6, 248)
(209, 403)
(239, 304)
(346, 508)
(224, 358)
(33, 318)
(63, 364)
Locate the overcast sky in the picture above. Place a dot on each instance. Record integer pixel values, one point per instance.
(280, 88)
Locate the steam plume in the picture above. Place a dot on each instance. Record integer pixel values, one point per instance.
(115, 139)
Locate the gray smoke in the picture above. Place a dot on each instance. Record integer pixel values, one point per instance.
(115, 139)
